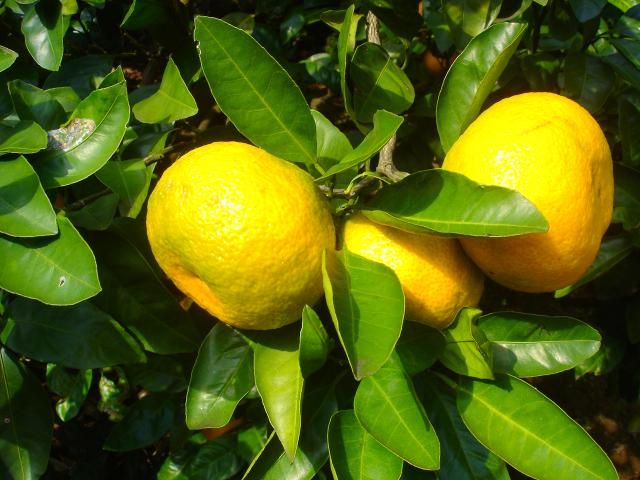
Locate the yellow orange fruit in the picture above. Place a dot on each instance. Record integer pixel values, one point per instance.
(436, 276)
(242, 233)
(552, 151)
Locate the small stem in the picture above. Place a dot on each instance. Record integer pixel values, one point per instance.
(385, 161)
(78, 204)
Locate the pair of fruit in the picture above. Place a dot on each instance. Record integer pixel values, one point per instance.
(242, 232)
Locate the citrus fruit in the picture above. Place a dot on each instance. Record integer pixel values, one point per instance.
(552, 151)
(242, 233)
(436, 276)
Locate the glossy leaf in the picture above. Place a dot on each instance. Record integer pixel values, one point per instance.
(171, 102)
(78, 336)
(44, 27)
(611, 353)
(280, 382)
(385, 125)
(585, 10)
(467, 18)
(463, 457)
(355, 454)
(629, 115)
(160, 373)
(529, 431)
(7, 57)
(145, 14)
(612, 251)
(136, 297)
(419, 346)
(366, 304)
(94, 133)
(272, 463)
(72, 386)
(145, 422)
(527, 345)
(83, 74)
(379, 84)
(466, 351)
(255, 92)
(387, 406)
(27, 428)
(23, 137)
(588, 80)
(222, 375)
(25, 210)
(59, 270)
(130, 179)
(626, 197)
(98, 215)
(314, 342)
(32, 103)
(333, 145)
(450, 203)
(346, 47)
(65, 96)
(472, 77)
(215, 459)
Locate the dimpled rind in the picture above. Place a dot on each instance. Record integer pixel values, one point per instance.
(552, 151)
(436, 276)
(242, 233)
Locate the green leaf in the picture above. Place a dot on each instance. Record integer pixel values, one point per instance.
(32, 103)
(346, 47)
(588, 80)
(94, 133)
(146, 14)
(280, 382)
(26, 431)
(222, 375)
(366, 304)
(333, 145)
(7, 57)
(626, 197)
(44, 27)
(83, 73)
(624, 68)
(611, 353)
(314, 342)
(630, 49)
(527, 345)
(272, 463)
(628, 116)
(171, 102)
(136, 296)
(58, 270)
(355, 454)
(463, 457)
(419, 346)
(78, 336)
(73, 387)
(160, 373)
(255, 92)
(385, 125)
(468, 18)
(466, 351)
(472, 77)
(585, 10)
(450, 203)
(98, 215)
(215, 460)
(387, 406)
(25, 210)
(612, 251)
(130, 179)
(65, 96)
(145, 422)
(379, 84)
(529, 431)
(23, 137)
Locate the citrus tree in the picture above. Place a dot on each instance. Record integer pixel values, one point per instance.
(393, 357)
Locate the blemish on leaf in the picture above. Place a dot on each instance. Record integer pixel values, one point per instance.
(72, 135)
(61, 281)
